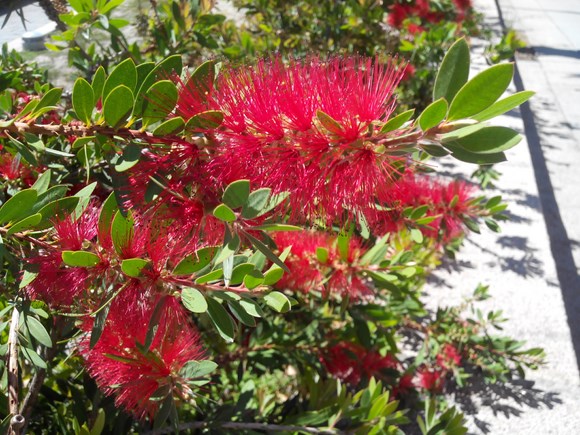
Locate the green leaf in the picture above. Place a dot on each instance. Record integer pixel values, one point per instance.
(240, 272)
(83, 100)
(42, 182)
(38, 331)
(277, 227)
(328, 122)
(130, 157)
(322, 254)
(118, 106)
(251, 306)
(230, 246)
(124, 74)
(237, 193)
(257, 203)
(24, 151)
(33, 357)
(208, 120)
(253, 279)
(134, 266)
(453, 72)
(266, 251)
(224, 213)
(108, 210)
(98, 83)
(99, 325)
(278, 301)
(481, 91)
(488, 140)
(433, 114)
(84, 196)
(462, 154)
(25, 224)
(162, 70)
(461, 132)
(273, 275)
(154, 323)
(193, 300)
(48, 100)
(398, 121)
(18, 206)
(57, 210)
(200, 84)
(240, 313)
(505, 105)
(221, 320)
(99, 424)
(160, 100)
(195, 262)
(121, 231)
(169, 127)
(416, 235)
(52, 194)
(214, 275)
(197, 369)
(80, 258)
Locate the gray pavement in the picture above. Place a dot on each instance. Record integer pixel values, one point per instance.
(532, 266)
(14, 28)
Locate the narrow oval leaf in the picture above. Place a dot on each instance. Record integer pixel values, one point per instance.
(197, 369)
(462, 154)
(221, 320)
(133, 267)
(196, 261)
(108, 210)
(237, 193)
(433, 114)
(329, 123)
(124, 74)
(98, 83)
(208, 120)
(83, 100)
(80, 258)
(57, 210)
(253, 279)
(130, 157)
(481, 91)
(488, 140)
(240, 272)
(257, 203)
(240, 313)
(397, 121)
(25, 224)
(453, 72)
(224, 213)
(193, 300)
(33, 357)
(162, 70)
(160, 100)
(38, 331)
(118, 106)
(18, 206)
(121, 231)
(214, 275)
(42, 182)
(505, 105)
(278, 301)
(169, 127)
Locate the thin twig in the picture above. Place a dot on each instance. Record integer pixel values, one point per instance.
(13, 390)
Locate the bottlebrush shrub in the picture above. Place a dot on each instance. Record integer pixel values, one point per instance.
(244, 251)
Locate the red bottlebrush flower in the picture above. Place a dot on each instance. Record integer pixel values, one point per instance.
(306, 128)
(56, 284)
(334, 275)
(409, 73)
(398, 13)
(404, 386)
(351, 362)
(12, 168)
(430, 380)
(449, 203)
(413, 29)
(138, 378)
(449, 357)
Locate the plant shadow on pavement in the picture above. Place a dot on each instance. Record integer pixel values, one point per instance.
(510, 399)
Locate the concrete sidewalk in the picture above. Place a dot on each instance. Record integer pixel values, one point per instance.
(530, 266)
